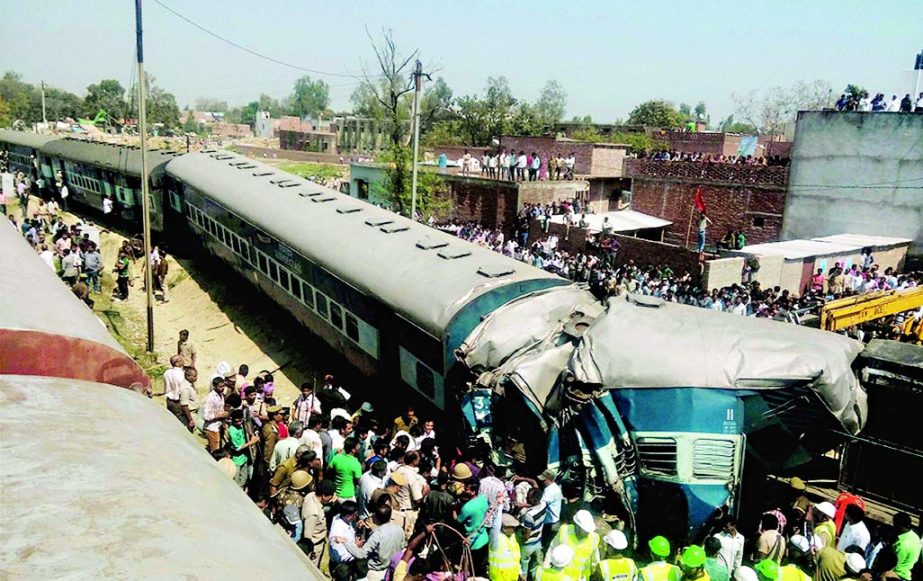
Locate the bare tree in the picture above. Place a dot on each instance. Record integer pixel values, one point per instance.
(772, 110)
(389, 88)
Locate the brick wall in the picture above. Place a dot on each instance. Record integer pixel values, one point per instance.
(730, 207)
(491, 203)
(708, 172)
(603, 160)
(687, 142)
(551, 191)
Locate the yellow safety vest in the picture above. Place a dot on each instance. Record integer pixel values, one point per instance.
(661, 571)
(503, 562)
(793, 573)
(584, 551)
(553, 574)
(621, 569)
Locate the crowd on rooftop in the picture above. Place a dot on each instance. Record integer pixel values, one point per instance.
(879, 103)
(513, 166)
(698, 157)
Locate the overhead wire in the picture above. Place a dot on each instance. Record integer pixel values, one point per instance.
(251, 51)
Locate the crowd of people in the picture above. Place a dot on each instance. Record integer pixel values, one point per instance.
(513, 166)
(372, 499)
(698, 157)
(878, 103)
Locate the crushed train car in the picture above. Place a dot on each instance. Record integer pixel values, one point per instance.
(662, 404)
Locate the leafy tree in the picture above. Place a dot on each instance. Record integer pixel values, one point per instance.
(5, 118)
(729, 125)
(685, 110)
(310, 97)
(396, 189)
(160, 105)
(551, 105)
(435, 104)
(656, 113)
(59, 104)
(108, 95)
(444, 133)
(700, 111)
(16, 94)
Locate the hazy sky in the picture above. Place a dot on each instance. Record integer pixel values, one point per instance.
(608, 55)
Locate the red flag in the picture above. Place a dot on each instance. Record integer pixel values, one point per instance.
(699, 201)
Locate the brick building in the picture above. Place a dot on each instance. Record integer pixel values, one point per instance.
(738, 197)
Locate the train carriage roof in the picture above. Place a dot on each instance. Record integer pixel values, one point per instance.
(101, 482)
(426, 275)
(25, 138)
(114, 157)
(46, 330)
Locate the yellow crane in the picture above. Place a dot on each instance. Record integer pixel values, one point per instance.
(844, 313)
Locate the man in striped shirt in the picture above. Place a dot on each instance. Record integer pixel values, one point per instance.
(532, 519)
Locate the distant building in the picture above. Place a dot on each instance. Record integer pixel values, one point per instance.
(336, 135)
(856, 172)
(262, 127)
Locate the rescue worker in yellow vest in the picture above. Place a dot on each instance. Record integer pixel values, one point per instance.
(581, 536)
(767, 570)
(824, 527)
(616, 566)
(555, 569)
(799, 552)
(503, 554)
(692, 563)
(659, 569)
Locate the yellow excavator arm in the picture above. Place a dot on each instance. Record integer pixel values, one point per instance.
(844, 313)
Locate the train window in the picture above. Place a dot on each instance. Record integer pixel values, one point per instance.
(262, 260)
(321, 305)
(235, 242)
(273, 270)
(352, 327)
(308, 295)
(425, 381)
(296, 287)
(283, 278)
(245, 251)
(336, 315)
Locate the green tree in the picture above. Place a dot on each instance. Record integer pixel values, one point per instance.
(310, 97)
(447, 132)
(729, 125)
(160, 105)
(59, 104)
(396, 189)
(108, 95)
(17, 95)
(551, 105)
(656, 113)
(5, 119)
(435, 105)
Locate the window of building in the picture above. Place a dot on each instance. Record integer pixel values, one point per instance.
(759, 221)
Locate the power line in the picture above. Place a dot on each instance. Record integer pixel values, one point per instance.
(250, 51)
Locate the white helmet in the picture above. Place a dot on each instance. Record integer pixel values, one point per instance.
(562, 555)
(745, 573)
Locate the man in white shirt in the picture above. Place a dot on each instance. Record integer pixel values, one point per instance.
(341, 533)
(895, 104)
(739, 307)
(285, 448)
(306, 405)
(552, 498)
(311, 438)
(732, 546)
(172, 381)
(521, 163)
(855, 532)
(48, 256)
(919, 106)
(65, 193)
(372, 480)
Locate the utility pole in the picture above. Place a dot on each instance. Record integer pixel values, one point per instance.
(145, 196)
(418, 85)
(44, 117)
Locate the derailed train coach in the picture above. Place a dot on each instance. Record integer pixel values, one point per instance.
(677, 413)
